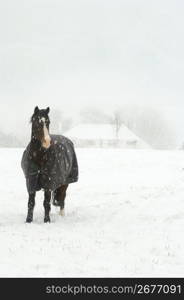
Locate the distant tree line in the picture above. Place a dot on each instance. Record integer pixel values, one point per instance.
(10, 141)
(146, 122)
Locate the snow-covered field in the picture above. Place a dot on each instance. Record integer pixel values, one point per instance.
(125, 217)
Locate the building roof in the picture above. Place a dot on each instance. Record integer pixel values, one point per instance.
(105, 135)
(101, 131)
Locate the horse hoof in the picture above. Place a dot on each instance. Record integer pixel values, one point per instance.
(47, 220)
(62, 212)
(28, 220)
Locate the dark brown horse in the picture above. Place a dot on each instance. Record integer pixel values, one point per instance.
(49, 163)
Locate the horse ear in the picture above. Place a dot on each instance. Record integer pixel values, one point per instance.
(47, 110)
(36, 110)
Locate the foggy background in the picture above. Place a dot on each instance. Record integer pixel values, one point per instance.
(78, 56)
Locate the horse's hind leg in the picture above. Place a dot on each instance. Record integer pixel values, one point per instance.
(46, 204)
(62, 195)
(31, 204)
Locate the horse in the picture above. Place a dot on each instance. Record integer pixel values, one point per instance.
(49, 163)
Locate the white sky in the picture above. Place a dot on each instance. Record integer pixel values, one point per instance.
(74, 53)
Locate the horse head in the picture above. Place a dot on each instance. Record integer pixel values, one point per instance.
(40, 126)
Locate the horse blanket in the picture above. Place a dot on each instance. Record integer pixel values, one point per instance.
(60, 166)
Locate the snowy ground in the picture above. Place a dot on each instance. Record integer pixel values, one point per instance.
(125, 217)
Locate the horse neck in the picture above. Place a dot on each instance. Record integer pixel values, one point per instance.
(35, 148)
(37, 153)
(34, 141)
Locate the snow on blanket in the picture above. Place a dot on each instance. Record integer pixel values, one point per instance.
(125, 217)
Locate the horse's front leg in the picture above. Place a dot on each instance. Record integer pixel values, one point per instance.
(31, 204)
(46, 204)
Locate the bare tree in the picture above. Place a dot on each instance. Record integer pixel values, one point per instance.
(94, 115)
(121, 116)
(117, 121)
(148, 123)
(154, 129)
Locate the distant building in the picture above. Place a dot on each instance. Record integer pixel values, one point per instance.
(104, 135)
